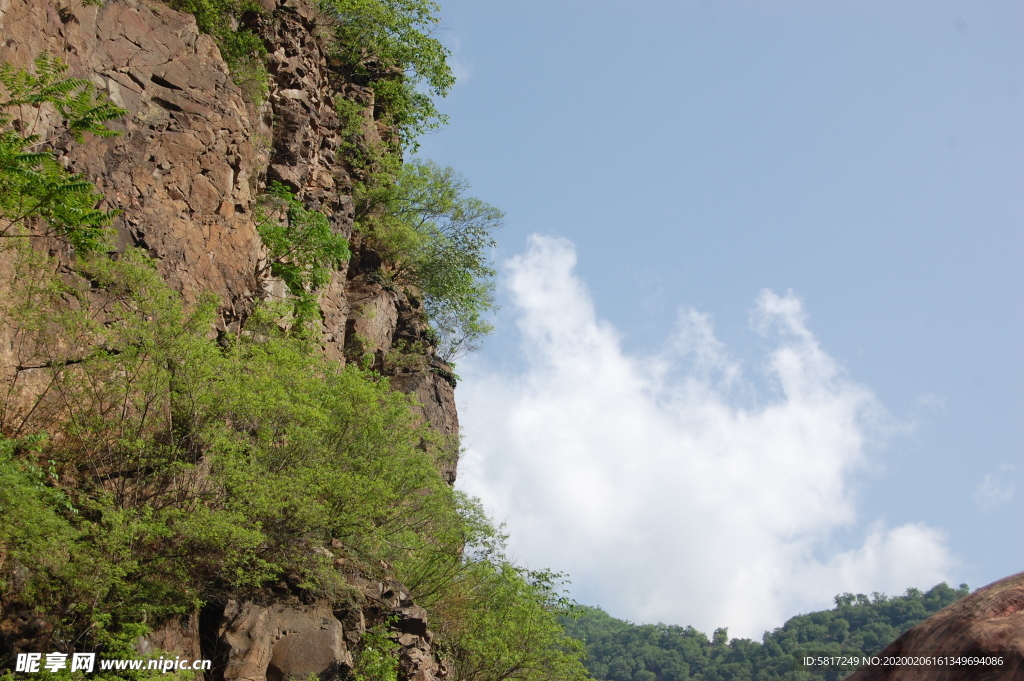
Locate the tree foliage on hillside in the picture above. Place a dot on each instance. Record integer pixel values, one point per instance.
(620, 651)
(149, 468)
(302, 247)
(389, 44)
(179, 468)
(438, 240)
(499, 621)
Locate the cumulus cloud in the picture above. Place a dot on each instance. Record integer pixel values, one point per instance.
(667, 486)
(996, 489)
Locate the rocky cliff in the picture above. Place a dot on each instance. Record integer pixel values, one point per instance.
(192, 157)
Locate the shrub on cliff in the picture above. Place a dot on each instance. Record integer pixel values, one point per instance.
(493, 620)
(147, 468)
(389, 45)
(500, 622)
(438, 240)
(384, 43)
(176, 469)
(302, 249)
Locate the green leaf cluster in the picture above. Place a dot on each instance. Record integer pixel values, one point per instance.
(303, 249)
(179, 469)
(502, 623)
(493, 620)
(389, 45)
(376, 659)
(858, 625)
(438, 240)
(34, 187)
(150, 468)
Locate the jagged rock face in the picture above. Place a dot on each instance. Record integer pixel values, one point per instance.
(186, 170)
(193, 155)
(281, 637)
(360, 316)
(183, 170)
(279, 641)
(988, 623)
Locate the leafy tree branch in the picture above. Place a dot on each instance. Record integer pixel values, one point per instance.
(33, 185)
(302, 247)
(439, 241)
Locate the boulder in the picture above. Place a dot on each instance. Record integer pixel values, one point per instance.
(987, 624)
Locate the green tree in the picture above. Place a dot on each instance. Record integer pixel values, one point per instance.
(500, 622)
(389, 44)
(438, 240)
(179, 469)
(376, 657)
(858, 625)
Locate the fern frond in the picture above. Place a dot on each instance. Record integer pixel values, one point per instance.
(33, 185)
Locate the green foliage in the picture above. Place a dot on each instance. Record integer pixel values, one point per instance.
(408, 356)
(439, 241)
(239, 46)
(499, 621)
(493, 620)
(303, 249)
(376, 659)
(180, 469)
(34, 187)
(373, 161)
(389, 45)
(33, 532)
(858, 625)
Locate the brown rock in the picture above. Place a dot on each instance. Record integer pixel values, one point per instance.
(177, 635)
(372, 319)
(988, 623)
(183, 171)
(282, 641)
(25, 631)
(153, 61)
(412, 620)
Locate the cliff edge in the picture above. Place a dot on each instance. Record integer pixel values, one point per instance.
(186, 172)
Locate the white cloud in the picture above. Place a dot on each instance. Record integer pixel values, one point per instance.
(666, 486)
(996, 489)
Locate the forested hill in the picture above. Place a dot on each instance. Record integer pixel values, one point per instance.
(621, 651)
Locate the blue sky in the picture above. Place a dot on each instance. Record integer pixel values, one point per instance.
(805, 215)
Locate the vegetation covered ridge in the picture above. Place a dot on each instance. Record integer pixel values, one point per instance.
(858, 625)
